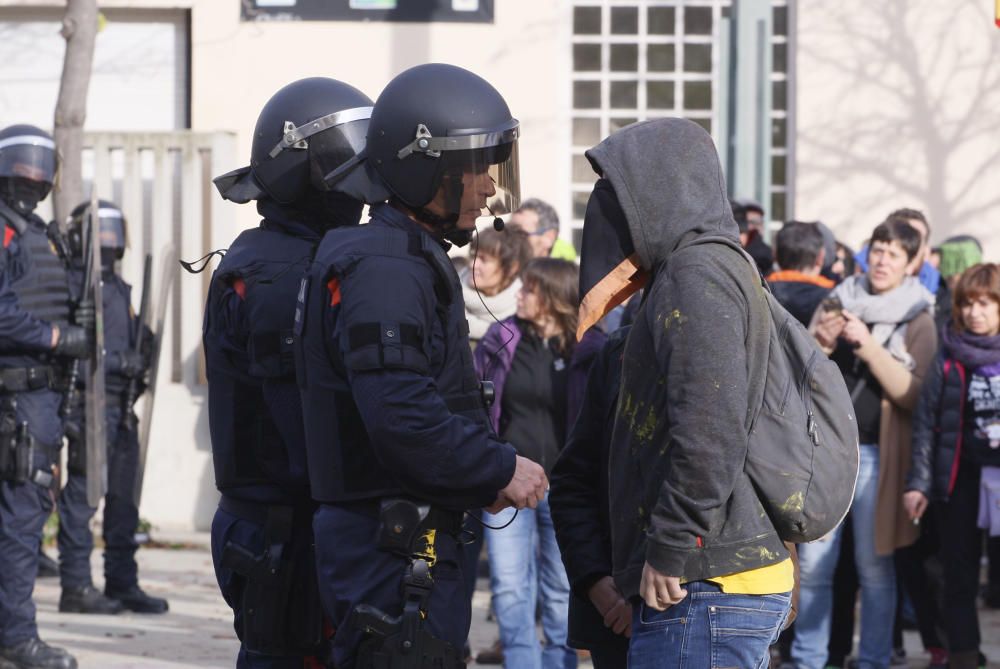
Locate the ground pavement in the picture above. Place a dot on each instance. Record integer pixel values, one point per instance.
(197, 632)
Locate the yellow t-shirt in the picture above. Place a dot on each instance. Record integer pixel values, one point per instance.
(770, 580)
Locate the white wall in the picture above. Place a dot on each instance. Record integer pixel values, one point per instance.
(899, 105)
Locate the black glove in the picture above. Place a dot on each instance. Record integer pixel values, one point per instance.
(85, 315)
(74, 342)
(131, 364)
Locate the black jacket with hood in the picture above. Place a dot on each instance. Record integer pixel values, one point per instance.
(679, 497)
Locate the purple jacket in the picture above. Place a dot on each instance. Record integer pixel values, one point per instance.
(495, 354)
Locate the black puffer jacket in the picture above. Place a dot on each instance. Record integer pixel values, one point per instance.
(579, 497)
(938, 428)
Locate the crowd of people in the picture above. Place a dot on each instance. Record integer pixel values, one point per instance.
(915, 331)
(383, 413)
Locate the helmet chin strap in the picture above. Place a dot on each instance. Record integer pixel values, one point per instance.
(443, 227)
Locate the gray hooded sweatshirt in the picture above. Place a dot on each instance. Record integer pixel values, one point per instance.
(679, 497)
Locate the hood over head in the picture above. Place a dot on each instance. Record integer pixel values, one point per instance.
(661, 188)
(668, 180)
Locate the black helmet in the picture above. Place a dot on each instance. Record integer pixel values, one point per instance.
(308, 130)
(434, 122)
(28, 165)
(112, 231)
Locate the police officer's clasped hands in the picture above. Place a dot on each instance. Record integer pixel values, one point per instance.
(526, 488)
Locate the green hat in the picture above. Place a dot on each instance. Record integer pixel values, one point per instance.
(958, 256)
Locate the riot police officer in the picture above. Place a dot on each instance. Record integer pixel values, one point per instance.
(34, 330)
(125, 365)
(397, 433)
(261, 533)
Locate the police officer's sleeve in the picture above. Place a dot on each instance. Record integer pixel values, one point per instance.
(385, 336)
(18, 328)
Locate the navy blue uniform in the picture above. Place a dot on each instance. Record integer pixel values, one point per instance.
(258, 443)
(121, 515)
(393, 408)
(33, 293)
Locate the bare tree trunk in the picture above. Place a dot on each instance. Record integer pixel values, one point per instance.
(79, 29)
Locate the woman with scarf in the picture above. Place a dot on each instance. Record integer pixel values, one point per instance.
(490, 284)
(956, 450)
(878, 328)
(539, 372)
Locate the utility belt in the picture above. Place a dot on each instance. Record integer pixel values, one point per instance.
(18, 450)
(24, 379)
(408, 529)
(282, 612)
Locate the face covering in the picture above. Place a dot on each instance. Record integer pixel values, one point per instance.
(108, 258)
(609, 267)
(23, 195)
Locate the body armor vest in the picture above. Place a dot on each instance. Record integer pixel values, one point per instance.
(255, 413)
(343, 465)
(38, 276)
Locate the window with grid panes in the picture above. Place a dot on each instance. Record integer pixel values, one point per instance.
(779, 208)
(640, 59)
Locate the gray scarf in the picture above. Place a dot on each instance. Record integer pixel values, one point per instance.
(887, 313)
(498, 307)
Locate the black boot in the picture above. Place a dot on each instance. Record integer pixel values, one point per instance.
(47, 567)
(87, 600)
(36, 654)
(134, 599)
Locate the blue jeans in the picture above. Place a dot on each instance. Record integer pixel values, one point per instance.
(708, 628)
(876, 573)
(523, 558)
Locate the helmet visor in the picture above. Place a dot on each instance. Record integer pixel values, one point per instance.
(28, 157)
(333, 152)
(478, 182)
(112, 230)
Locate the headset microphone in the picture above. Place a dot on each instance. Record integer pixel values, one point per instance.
(498, 223)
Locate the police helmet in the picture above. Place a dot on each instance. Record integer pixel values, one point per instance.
(112, 231)
(28, 165)
(435, 122)
(305, 133)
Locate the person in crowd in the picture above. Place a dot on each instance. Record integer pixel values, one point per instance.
(125, 367)
(680, 503)
(843, 266)
(541, 222)
(262, 539)
(490, 282)
(877, 327)
(36, 339)
(600, 618)
(956, 442)
(798, 284)
(921, 268)
(538, 371)
(955, 255)
(749, 215)
(397, 432)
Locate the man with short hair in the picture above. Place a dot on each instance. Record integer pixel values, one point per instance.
(540, 220)
(798, 284)
(749, 216)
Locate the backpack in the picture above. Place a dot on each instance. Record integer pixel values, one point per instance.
(802, 449)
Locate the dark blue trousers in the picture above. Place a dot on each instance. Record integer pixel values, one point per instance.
(226, 528)
(352, 571)
(23, 510)
(121, 516)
